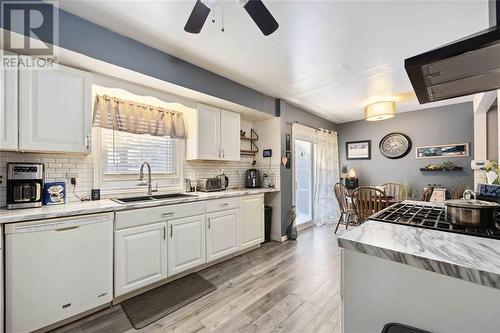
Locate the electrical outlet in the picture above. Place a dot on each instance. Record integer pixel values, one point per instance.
(70, 175)
(73, 181)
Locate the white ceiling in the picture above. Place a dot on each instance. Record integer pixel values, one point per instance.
(329, 57)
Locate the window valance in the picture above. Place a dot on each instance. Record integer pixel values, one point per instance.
(126, 116)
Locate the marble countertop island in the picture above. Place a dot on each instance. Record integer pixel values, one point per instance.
(470, 258)
(108, 205)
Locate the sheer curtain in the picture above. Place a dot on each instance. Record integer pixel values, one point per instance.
(326, 174)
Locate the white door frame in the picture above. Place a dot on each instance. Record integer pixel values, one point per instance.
(304, 133)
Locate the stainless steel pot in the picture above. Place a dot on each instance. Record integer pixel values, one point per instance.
(471, 212)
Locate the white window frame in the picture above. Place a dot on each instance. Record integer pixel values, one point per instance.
(128, 183)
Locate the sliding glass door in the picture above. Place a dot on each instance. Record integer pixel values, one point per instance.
(303, 180)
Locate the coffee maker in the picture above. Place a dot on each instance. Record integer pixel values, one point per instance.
(24, 185)
(252, 179)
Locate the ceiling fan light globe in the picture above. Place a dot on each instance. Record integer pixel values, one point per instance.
(242, 2)
(209, 3)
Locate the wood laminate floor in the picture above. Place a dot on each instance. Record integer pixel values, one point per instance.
(287, 287)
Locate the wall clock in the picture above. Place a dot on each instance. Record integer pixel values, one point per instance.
(395, 145)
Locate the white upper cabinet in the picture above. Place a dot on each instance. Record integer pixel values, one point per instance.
(230, 135)
(209, 132)
(55, 110)
(8, 109)
(212, 134)
(252, 220)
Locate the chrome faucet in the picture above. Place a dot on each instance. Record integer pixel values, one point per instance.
(141, 178)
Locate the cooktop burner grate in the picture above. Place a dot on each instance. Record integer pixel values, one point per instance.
(431, 217)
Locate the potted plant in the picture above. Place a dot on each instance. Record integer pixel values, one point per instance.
(409, 191)
(491, 172)
(492, 186)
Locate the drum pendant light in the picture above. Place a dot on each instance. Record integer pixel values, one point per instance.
(380, 111)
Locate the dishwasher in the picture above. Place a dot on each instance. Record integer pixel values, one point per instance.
(56, 269)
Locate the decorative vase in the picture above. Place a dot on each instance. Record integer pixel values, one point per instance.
(491, 176)
(292, 229)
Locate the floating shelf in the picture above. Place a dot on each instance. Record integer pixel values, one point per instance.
(248, 152)
(434, 170)
(253, 147)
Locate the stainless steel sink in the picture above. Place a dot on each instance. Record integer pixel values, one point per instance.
(173, 196)
(162, 197)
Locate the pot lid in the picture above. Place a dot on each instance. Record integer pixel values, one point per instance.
(478, 204)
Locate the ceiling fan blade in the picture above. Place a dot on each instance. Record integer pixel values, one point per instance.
(197, 18)
(261, 16)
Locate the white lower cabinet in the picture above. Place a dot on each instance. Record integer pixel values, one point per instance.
(140, 257)
(251, 220)
(186, 243)
(222, 233)
(152, 244)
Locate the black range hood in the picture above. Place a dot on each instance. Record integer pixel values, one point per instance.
(464, 67)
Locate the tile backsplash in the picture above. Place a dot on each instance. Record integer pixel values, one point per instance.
(58, 165)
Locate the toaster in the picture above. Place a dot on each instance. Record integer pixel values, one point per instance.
(209, 184)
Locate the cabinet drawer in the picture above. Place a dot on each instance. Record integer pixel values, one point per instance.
(136, 217)
(222, 204)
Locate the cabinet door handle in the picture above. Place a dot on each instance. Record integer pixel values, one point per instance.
(167, 214)
(209, 223)
(87, 141)
(223, 154)
(224, 204)
(171, 230)
(164, 232)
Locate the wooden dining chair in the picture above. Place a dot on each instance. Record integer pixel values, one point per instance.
(427, 194)
(347, 214)
(367, 201)
(394, 190)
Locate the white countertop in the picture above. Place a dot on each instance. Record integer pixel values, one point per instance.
(108, 205)
(470, 258)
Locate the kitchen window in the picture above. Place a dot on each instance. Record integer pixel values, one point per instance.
(127, 134)
(121, 155)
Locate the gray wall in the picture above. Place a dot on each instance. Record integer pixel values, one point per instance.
(82, 36)
(290, 114)
(442, 125)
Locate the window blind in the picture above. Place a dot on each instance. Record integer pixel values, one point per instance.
(124, 153)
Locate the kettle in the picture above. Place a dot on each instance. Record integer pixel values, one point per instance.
(253, 179)
(224, 180)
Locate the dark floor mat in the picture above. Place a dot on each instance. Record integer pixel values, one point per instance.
(152, 305)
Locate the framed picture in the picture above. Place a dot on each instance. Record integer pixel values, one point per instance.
(358, 150)
(443, 151)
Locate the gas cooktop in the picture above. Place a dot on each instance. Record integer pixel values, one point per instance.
(430, 216)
